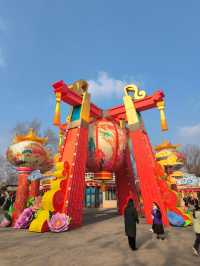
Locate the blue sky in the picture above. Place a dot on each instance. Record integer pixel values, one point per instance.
(110, 43)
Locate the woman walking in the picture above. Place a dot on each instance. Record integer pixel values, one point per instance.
(130, 220)
(196, 227)
(157, 226)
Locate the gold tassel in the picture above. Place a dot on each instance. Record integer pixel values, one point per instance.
(56, 120)
(161, 107)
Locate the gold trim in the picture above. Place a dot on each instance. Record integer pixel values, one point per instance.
(85, 107)
(166, 144)
(74, 124)
(32, 136)
(131, 112)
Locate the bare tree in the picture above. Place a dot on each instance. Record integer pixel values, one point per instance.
(23, 128)
(8, 173)
(35, 124)
(3, 172)
(192, 159)
(20, 128)
(52, 139)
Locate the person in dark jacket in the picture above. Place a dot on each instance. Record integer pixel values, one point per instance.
(130, 220)
(157, 226)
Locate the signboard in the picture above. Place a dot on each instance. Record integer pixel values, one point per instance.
(189, 180)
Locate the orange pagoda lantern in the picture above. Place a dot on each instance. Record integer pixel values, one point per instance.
(27, 153)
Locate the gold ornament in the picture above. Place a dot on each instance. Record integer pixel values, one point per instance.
(136, 93)
(31, 135)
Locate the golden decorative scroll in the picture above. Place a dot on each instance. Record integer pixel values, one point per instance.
(137, 94)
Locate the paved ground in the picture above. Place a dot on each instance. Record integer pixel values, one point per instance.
(101, 241)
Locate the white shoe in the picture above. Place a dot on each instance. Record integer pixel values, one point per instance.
(195, 251)
(151, 230)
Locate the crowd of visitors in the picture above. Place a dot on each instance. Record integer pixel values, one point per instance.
(190, 202)
(7, 198)
(131, 219)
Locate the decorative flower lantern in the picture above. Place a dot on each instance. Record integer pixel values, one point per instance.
(106, 147)
(59, 222)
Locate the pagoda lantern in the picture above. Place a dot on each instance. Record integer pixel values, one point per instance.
(169, 157)
(171, 160)
(27, 153)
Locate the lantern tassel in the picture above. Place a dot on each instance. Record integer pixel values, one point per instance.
(163, 121)
(56, 120)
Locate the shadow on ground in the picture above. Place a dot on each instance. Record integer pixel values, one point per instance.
(92, 216)
(103, 242)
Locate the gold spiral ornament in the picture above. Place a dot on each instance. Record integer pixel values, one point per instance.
(137, 94)
(79, 86)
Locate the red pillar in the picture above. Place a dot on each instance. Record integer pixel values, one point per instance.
(146, 166)
(34, 188)
(125, 184)
(74, 191)
(22, 192)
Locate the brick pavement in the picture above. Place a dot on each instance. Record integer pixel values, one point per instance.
(101, 241)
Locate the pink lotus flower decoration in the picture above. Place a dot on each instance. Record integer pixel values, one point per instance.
(24, 219)
(59, 222)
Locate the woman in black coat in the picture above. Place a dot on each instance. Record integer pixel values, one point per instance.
(130, 220)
